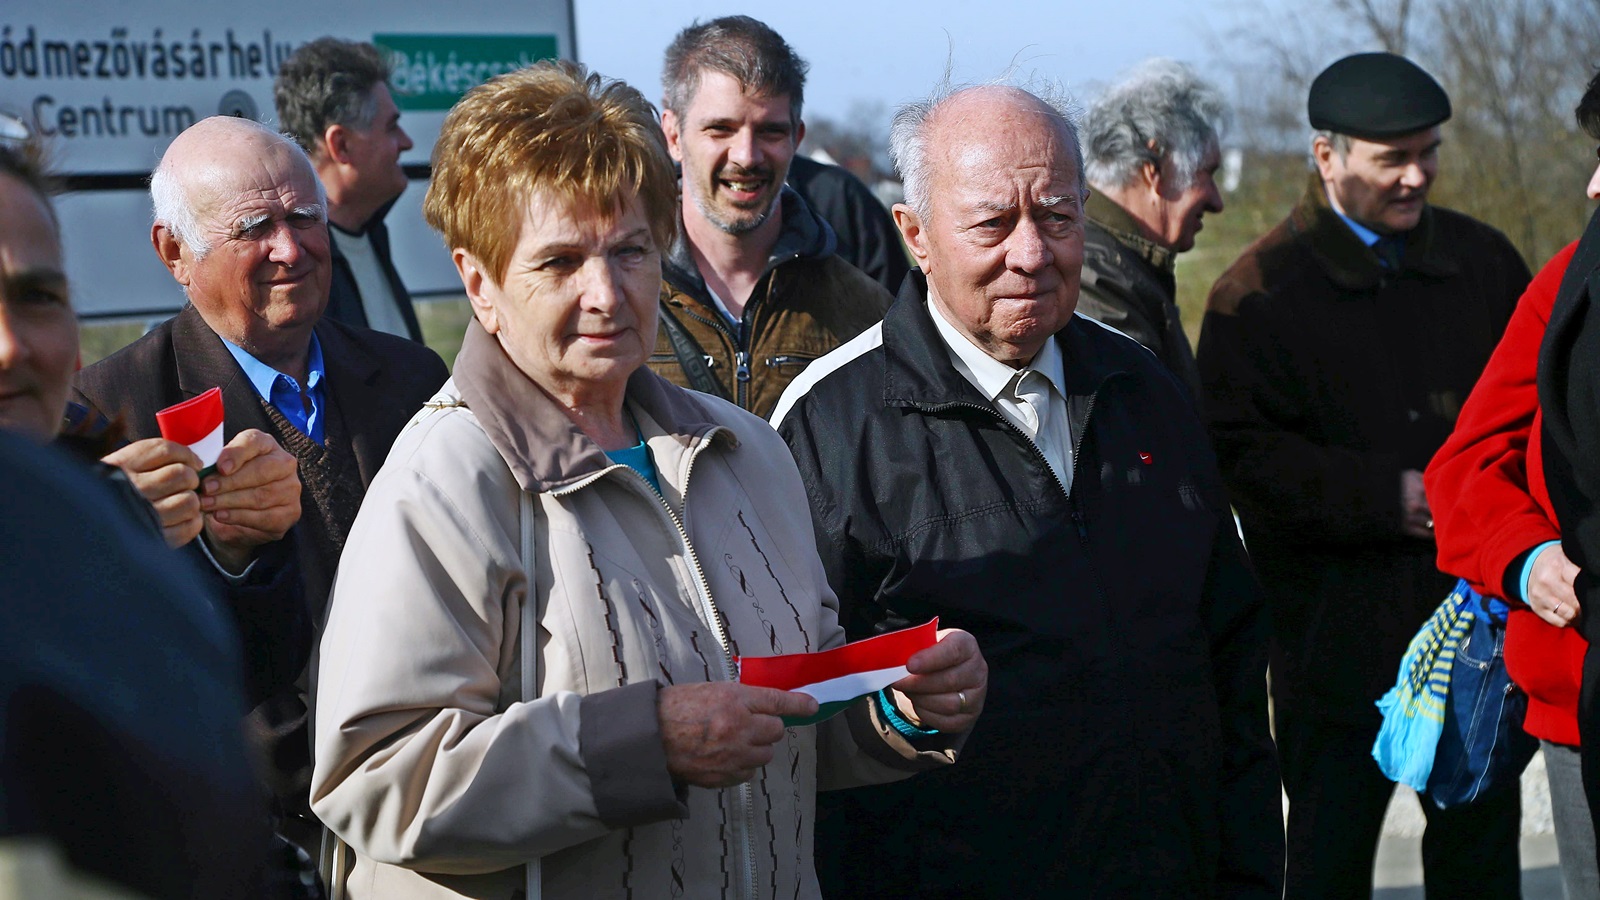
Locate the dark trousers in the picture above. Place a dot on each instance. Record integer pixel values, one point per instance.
(1337, 799)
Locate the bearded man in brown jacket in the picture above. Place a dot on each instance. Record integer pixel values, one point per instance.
(754, 290)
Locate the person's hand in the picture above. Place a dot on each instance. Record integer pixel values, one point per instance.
(252, 498)
(717, 735)
(1550, 591)
(1416, 519)
(166, 474)
(948, 682)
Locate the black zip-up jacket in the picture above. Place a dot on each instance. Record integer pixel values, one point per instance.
(868, 238)
(344, 296)
(1123, 749)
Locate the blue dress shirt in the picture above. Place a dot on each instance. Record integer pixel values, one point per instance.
(1367, 235)
(304, 409)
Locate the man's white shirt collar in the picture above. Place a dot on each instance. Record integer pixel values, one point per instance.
(989, 375)
(992, 378)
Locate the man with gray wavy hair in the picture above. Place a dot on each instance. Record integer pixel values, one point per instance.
(983, 455)
(1152, 151)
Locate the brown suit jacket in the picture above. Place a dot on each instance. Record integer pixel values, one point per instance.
(376, 381)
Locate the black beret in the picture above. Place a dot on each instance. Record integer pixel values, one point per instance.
(1375, 96)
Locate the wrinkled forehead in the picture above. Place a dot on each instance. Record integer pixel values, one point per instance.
(1034, 159)
(229, 186)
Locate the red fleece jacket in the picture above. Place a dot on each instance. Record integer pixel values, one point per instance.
(1487, 492)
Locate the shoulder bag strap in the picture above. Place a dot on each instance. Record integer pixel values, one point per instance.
(691, 358)
(529, 638)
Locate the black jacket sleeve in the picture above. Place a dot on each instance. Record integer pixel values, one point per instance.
(270, 614)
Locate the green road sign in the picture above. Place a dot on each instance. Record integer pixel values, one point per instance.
(432, 71)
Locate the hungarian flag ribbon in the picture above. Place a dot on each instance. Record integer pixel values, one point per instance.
(196, 423)
(843, 675)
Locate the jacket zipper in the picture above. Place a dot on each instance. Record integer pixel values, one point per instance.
(1032, 444)
(741, 343)
(741, 356)
(789, 359)
(708, 612)
(741, 375)
(1080, 429)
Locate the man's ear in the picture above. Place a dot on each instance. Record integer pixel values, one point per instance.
(1322, 152)
(913, 233)
(171, 251)
(1150, 175)
(670, 127)
(475, 279)
(800, 133)
(335, 143)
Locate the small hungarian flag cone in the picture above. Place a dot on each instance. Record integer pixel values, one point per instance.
(843, 675)
(196, 423)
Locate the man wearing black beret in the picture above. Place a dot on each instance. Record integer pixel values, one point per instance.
(1335, 354)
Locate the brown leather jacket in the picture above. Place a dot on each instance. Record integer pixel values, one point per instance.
(806, 303)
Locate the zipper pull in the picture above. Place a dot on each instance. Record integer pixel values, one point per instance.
(742, 373)
(1077, 519)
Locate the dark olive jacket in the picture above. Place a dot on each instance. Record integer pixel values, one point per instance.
(807, 302)
(1569, 386)
(1128, 284)
(1326, 376)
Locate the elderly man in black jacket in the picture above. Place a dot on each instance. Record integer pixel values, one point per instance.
(985, 456)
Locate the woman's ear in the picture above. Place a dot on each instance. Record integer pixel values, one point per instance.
(481, 289)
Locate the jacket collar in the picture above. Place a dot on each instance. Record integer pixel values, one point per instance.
(1120, 224)
(542, 447)
(374, 222)
(352, 381)
(1350, 263)
(804, 235)
(917, 368)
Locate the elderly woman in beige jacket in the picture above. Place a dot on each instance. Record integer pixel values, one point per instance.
(608, 750)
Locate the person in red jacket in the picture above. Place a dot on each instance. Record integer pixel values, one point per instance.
(1495, 527)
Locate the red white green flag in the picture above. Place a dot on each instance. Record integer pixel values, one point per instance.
(196, 423)
(843, 675)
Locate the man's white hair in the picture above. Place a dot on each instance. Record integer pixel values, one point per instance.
(174, 208)
(908, 134)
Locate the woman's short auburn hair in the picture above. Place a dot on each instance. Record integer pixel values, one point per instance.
(553, 126)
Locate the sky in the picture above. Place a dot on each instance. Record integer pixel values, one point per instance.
(890, 51)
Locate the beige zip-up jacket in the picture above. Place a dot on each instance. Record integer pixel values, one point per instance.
(427, 762)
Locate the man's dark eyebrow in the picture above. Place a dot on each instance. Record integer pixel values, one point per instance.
(33, 279)
(728, 122)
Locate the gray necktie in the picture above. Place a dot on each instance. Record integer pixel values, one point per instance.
(1032, 391)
